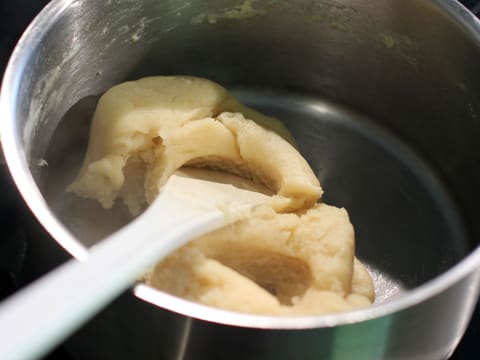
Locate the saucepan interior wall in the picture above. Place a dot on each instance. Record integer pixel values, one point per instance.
(400, 94)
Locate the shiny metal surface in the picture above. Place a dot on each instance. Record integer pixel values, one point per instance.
(386, 108)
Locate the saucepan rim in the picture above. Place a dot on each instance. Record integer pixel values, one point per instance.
(17, 163)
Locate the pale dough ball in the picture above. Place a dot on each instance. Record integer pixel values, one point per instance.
(293, 256)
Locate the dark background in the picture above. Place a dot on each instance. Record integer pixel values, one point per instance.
(19, 227)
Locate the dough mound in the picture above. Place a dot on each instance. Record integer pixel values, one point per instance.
(292, 256)
(142, 131)
(271, 263)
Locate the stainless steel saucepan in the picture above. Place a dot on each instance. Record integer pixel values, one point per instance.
(383, 98)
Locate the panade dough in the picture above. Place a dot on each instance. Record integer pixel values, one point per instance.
(166, 122)
(275, 264)
(292, 256)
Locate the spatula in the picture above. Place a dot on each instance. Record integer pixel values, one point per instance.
(191, 204)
